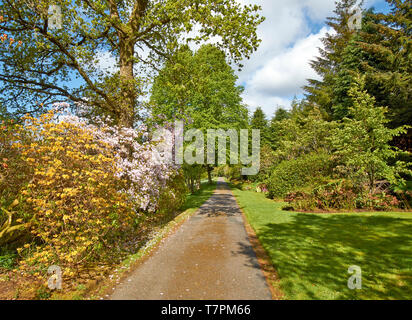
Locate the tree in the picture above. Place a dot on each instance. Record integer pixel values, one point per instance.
(381, 51)
(280, 114)
(320, 92)
(302, 134)
(274, 127)
(387, 44)
(362, 141)
(201, 88)
(140, 34)
(259, 122)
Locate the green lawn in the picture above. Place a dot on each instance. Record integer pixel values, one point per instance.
(195, 200)
(312, 252)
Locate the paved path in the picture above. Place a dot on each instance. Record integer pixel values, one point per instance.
(208, 258)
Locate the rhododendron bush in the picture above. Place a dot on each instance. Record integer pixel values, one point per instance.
(147, 177)
(75, 189)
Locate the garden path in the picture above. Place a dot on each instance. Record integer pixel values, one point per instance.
(209, 257)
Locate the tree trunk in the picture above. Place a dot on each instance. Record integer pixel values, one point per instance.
(209, 174)
(127, 99)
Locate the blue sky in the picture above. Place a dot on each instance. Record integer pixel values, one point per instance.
(290, 37)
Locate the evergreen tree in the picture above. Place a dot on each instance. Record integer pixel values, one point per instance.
(280, 114)
(387, 43)
(274, 127)
(259, 121)
(320, 92)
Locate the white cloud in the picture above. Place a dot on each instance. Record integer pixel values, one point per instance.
(290, 39)
(283, 76)
(286, 72)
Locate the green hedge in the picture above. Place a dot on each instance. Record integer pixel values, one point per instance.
(292, 175)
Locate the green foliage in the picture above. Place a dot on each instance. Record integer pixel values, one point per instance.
(386, 42)
(259, 122)
(381, 51)
(274, 130)
(42, 67)
(230, 172)
(200, 87)
(192, 174)
(173, 195)
(320, 92)
(362, 141)
(307, 170)
(303, 134)
(8, 260)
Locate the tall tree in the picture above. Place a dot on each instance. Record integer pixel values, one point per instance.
(199, 87)
(280, 114)
(330, 57)
(387, 43)
(138, 33)
(362, 141)
(275, 127)
(259, 122)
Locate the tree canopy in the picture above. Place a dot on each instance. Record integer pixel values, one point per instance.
(138, 33)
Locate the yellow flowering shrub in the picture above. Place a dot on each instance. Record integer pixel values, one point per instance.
(14, 174)
(71, 201)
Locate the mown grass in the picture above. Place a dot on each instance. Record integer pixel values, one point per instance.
(312, 252)
(195, 200)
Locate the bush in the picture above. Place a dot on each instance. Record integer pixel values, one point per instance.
(173, 195)
(341, 195)
(290, 175)
(74, 188)
(72, 204)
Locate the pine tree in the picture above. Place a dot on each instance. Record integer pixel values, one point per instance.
(260, 122)
(320, 92)
(387, 41)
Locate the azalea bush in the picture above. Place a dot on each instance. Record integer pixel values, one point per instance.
(72, 203)
(76, 190)
(342, 195)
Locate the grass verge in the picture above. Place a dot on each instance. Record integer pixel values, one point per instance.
(312, 252)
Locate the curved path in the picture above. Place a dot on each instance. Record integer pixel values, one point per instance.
(208, 258)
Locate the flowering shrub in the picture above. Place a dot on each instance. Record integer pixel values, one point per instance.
(71, 204)
(147, 178)
(341, 195)
(14, 174)
(78, 189)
